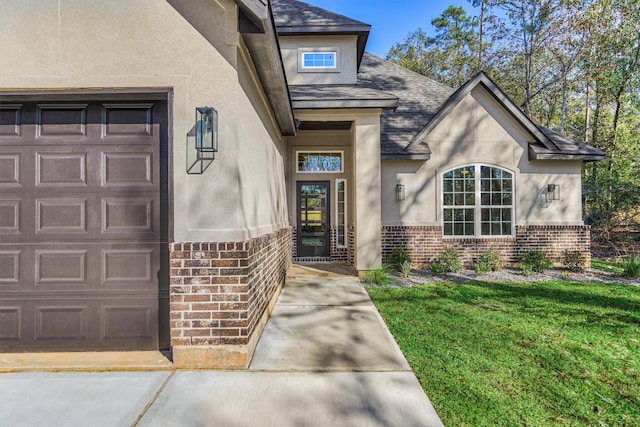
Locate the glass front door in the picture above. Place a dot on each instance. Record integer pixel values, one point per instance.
(314, 227)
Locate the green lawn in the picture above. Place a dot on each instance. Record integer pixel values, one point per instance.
(536, 354)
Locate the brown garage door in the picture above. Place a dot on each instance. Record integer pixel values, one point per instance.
(82, 224)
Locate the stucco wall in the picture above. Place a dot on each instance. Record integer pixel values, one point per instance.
(189, 46)
(346, 53)
(478, 130)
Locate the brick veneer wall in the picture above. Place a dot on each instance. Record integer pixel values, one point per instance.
(425, 243)
(219, 291)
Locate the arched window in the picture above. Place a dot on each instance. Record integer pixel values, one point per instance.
(477, 200)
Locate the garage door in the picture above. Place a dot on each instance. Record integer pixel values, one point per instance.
(82, 224)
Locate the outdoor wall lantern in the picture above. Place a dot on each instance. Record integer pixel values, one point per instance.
(400, 195)
(202, 141)
(553, 192)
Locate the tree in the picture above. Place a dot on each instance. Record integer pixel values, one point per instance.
(448, 56)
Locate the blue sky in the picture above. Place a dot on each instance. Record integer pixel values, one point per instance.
(391, 20)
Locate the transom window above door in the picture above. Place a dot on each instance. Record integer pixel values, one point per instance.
(477, 201)
(320, 162)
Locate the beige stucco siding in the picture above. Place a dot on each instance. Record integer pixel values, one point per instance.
(479, 130)
(193, 49)
(346, 53)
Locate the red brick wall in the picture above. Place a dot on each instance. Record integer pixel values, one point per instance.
(219, 290)
(425, 243)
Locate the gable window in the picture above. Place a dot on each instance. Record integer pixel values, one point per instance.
(477, 201)
(319, 60)
(320, 162)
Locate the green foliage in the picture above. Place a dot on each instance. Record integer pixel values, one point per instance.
(555, 353)
(608, 266)
(631, 266)
(447, 262)
(574, 260)
(489, 261)
(405, 269)
(378, 276)
(534, 262)
(398, 256)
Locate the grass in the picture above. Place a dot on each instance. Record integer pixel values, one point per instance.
(535, 354)
(609, 266)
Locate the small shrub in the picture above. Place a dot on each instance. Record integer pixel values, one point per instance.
(378, 276)
(447, 262)
(489, 261)
(534, 261)
(398, 257)
(631, 266)
(574, 261)
(405, 269)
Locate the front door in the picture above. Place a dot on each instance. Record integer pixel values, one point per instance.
(314, 238)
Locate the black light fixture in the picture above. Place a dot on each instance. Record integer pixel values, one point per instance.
(206, 130)
(553, 192)
(202, 141)
(400, 194)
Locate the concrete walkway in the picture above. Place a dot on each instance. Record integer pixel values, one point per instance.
(325, 358)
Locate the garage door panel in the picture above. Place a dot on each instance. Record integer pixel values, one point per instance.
(10, 218)
(128, 215)
(62, 215)
(57, 120)
(129, 267)
(129, 169)
(128, 321)
(9, 267)
(61, 266)
(61, 169)
(128, 120)
(66, 322)
(10, 326)
(10, 121)
(10, 170)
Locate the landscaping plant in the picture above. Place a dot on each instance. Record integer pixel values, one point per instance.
(398, 257)
(574, 260)
(631, 266)
(489, 261)
(534, 262)
(447, 262)
(378, 276)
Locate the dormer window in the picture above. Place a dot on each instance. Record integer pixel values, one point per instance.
(319, 60)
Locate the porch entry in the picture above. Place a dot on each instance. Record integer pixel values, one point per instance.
(314, 223)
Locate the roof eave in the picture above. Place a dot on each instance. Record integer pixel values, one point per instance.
(262, 43)
(385, 104)
(417, 157)
(585, 157)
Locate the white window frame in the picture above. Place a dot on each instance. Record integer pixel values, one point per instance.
(477, 207)
(319, 152)
(346, 205)
(321, 50)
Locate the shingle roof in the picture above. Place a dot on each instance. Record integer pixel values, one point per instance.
(294, 17)
(294, 13)
(340, 96)
(419, 98)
